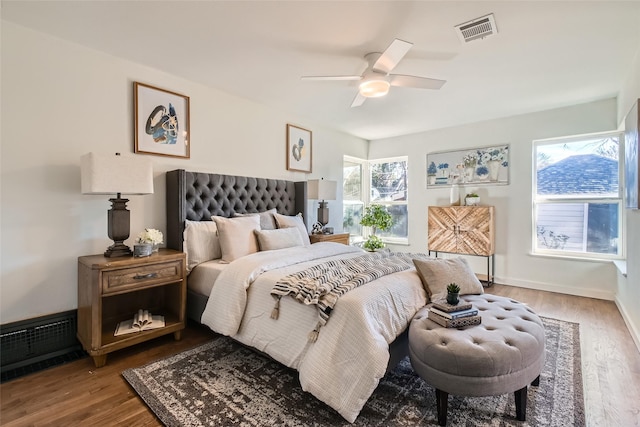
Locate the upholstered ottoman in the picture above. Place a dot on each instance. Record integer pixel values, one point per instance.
(504, 354)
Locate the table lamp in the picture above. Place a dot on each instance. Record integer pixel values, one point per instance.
(116, 174)
(321, 189)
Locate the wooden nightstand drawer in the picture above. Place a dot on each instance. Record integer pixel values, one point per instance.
(140, 277)
(338, 238)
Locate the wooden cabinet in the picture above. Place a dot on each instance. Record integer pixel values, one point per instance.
(338, 238)
(465, 230)
(111, 290)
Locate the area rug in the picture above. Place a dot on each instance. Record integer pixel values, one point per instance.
(222, 383)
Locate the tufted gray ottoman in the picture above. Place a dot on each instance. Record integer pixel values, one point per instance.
(503, 354)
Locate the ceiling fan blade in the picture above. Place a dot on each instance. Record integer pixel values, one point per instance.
(358, 100)
(334, 78)
(415, 81)
(391, 56)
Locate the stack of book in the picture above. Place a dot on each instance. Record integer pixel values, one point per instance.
(454, 316)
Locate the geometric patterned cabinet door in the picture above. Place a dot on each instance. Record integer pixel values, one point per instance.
(467, 230)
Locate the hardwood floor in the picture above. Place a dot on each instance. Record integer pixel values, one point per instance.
(79, 394)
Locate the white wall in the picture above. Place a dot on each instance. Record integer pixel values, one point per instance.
(514, 264)
(628, 295)
(61, 100)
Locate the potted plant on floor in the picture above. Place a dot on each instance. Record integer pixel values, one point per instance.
(378, 218)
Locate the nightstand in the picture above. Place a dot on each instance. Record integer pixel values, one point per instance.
(111, 290)
(338, 238)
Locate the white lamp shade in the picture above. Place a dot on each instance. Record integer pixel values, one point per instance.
(322, 189)
(112, 174)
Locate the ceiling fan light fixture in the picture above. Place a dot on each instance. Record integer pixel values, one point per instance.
(374, 88)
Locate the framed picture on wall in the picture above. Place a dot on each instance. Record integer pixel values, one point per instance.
(299, 148)
(631, 158)
(161, 121)
(482, 165)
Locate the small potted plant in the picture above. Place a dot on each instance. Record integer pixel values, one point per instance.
(373, 243)
(453, 292)
(378, 218)
(472, 199)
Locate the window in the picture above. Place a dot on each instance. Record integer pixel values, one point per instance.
(352, 196)
(382, 181)
(577, 198)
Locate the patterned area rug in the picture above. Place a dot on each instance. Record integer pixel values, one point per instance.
(222, 383)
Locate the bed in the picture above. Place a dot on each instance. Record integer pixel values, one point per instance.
(367, 331)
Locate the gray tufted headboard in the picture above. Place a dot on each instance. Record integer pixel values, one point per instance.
(197, 196)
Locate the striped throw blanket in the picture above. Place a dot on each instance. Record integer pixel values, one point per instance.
(323, 284)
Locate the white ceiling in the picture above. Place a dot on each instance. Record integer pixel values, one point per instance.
(546, 54)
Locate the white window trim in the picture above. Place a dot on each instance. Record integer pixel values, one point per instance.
(366, 191)
(579, 199)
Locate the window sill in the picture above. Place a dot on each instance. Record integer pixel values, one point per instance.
(576, 258)
(621, 265)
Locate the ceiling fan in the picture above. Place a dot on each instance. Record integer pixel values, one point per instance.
(376, 80)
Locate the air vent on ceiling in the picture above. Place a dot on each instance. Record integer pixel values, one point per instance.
(478, 28)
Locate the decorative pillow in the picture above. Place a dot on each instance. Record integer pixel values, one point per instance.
(236, 236)
(436, 274)
(284, 221)
(201, 242)
(279, 239)
(267, 222)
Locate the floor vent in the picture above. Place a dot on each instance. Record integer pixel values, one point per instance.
(478, 28)
(35, 340)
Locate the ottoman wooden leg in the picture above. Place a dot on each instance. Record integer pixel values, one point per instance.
(442, 398)
(521, 403)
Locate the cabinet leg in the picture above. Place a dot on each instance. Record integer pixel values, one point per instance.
(177, 335)
(100, 361)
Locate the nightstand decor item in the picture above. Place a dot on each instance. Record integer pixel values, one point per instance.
(116, 174)
(321, 189)
(142, 249)
(152, 237)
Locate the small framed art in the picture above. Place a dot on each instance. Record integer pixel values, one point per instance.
(298, 149)
(161, 121)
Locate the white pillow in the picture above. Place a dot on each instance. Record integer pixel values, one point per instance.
(284, 221)
(266, 218)
(437, 273)
(269, 240)
(201, 242)
(236, 236)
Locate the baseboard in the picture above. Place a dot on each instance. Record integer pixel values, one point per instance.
(561, 289)
(635, 333)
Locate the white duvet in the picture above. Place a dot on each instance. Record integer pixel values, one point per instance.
(343, 367)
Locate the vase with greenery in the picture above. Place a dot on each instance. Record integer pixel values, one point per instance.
(453, 293)
(378, 218)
